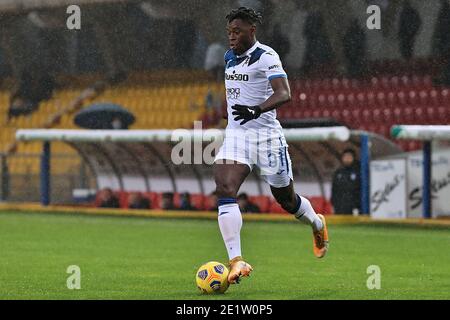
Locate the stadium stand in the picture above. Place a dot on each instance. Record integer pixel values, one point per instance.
(373, 105)
(176, 104)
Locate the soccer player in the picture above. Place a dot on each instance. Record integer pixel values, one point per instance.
(256, 85)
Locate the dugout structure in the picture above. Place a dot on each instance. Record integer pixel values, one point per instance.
(140, 160)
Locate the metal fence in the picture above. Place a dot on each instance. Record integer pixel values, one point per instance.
(24, 186)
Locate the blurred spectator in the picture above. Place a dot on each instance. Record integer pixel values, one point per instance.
(410, 23)
(280, 42)
(213, 201)
(214, 60)
(108, 199)
(346, 185)
(335, 20)
(245, 205)
(355, 50)
(441, 36)
(116, 124)
(137, 201)
(441, 42)
(33, 87)
(112, 38)
(318, 50)
(256, 5)
(167, 201)
(213, 105)
(184, 38)
(186, 202)
(28, 47)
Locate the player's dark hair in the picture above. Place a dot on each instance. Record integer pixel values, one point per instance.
(242, 196)
(350, 151)
(246, 14)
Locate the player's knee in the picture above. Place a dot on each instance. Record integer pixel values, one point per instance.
(226, 190)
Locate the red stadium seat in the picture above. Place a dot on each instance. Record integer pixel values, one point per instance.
(199, 201)
(374, 105)
(276, 208)
(123, 198)
(157, 204)
(321, 205)
(445, 97)
(263, 202)
(381, 98)
(391, 98)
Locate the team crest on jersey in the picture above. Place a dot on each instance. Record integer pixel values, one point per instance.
(233, 93)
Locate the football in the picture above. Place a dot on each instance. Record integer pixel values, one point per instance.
(212, 277)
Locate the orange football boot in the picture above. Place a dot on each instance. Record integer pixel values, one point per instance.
(320, 239)
(238, 268)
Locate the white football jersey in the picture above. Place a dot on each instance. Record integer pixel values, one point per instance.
(247, 82)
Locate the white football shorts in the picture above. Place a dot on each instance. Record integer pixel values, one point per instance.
(265, 149)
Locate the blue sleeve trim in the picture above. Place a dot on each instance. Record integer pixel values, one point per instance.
(277, 76)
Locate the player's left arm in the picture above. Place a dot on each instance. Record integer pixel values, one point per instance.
(271, 66)
(281, 94)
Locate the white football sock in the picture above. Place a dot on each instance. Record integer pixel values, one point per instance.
(306, 214)
(230, 223)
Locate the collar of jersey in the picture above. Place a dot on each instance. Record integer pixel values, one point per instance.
(246, 53)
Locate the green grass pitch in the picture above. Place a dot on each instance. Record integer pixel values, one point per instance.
(145, 258)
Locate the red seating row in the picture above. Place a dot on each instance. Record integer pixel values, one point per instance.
(373, 105)
(203, 202)
(344, 84)
(364, 98)
(377, 115)
(197, 200)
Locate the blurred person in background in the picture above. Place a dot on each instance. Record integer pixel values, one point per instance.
(185, 202)
(214, 62)
(167, 202)
(113, 38)
(355, 50)
(116, 124)
(280, 42)
(33, 88)
(30, 47)
(137, 201)
(108, 199)
(246, 205)
(441, 42)
(346, 185)
(213, 201)
(318, 51)
(410, 24)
